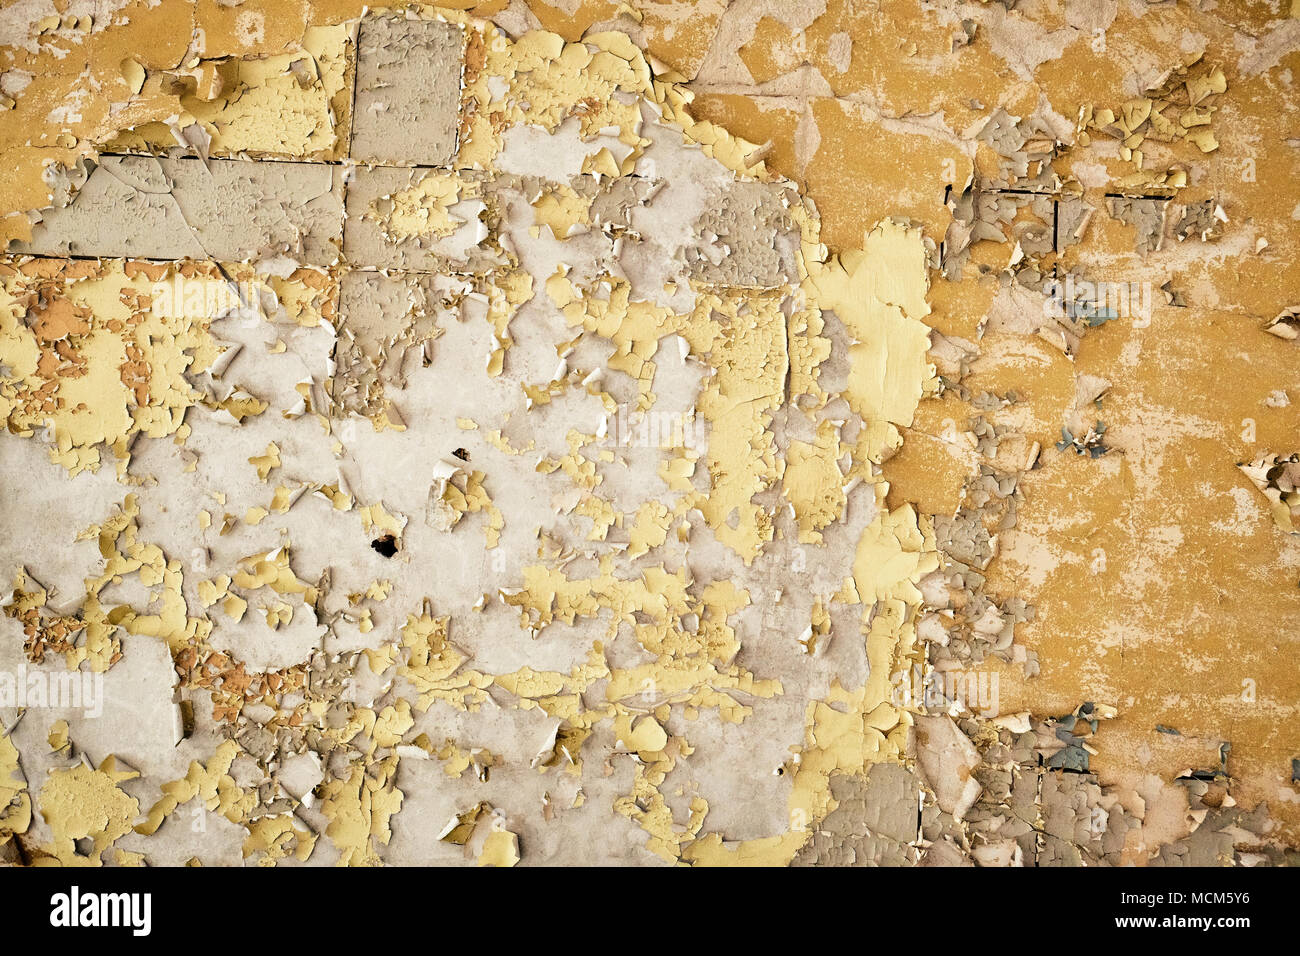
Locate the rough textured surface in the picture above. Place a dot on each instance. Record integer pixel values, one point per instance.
(408, 91)
(651, 433)
(749, 239)
(227, 210)
(375, 237)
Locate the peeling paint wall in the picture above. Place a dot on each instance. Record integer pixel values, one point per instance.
(653, 433)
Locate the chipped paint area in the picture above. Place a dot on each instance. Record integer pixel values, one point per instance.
(642, 434)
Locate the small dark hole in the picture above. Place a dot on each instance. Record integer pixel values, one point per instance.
(385, 545)
(462, 454)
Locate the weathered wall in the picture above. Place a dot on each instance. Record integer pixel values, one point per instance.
(600, 427)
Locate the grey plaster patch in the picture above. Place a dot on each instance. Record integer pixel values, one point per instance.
(747, 240)
(229, 210)
(366, 244)
(408, 91)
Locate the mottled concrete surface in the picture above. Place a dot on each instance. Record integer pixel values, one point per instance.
(651, 433)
